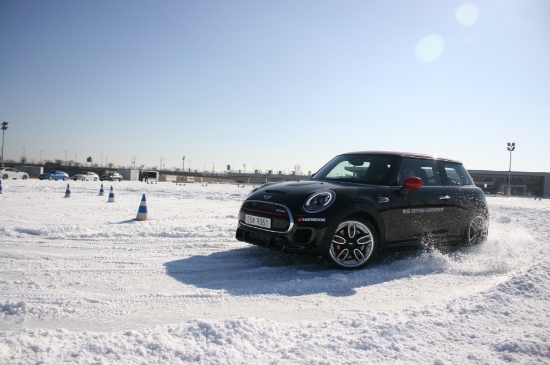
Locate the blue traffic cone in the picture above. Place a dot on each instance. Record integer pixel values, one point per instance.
(101, 192)
(111, 196)
(142, 211)
(67, 192)
(0, 186)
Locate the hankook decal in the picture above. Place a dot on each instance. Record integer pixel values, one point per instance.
(423, 210)
(312, 219)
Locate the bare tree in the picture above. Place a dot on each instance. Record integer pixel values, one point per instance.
(110, 165)
(59, 162)
(23, 159)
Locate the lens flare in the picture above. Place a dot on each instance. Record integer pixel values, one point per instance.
(466, 15)
(429, 48)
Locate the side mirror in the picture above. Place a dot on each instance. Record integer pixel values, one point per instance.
(411, 183)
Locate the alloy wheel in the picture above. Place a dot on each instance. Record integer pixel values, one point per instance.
(477, 230)
(353, 244)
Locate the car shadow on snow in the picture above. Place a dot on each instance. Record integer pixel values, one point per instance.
(257, 271)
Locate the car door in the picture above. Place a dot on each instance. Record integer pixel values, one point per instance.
(419, 214)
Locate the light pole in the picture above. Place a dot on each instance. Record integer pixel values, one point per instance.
(75, 158)
(101, 159)
(511, 147)
(106, 157)
(41, 157)
(65, 157)
(4, 127)
(23, 153)
(244, 167)
(212, 166)
(183, 166)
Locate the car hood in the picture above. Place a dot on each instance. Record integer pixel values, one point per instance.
(294, 194)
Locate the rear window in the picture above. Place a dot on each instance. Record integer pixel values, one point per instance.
(456, 174)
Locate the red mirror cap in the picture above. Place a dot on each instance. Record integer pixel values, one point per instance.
(412, 183)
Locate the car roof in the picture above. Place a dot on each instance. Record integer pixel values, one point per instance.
(403, 154)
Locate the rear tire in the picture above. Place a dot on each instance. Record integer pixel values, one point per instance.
(353, 245)
(5, 176)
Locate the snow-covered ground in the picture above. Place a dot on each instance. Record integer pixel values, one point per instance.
(82, 282)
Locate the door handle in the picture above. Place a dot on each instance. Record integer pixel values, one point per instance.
(444, 197)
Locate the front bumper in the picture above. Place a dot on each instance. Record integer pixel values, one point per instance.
(288, 233)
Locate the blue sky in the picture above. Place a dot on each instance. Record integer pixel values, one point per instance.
(273, 84)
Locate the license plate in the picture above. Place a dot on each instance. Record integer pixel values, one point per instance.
(257, 221)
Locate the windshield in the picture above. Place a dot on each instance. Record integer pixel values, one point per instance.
(363, 169)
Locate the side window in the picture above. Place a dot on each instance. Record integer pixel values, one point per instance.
(424, 169)
(456, 174)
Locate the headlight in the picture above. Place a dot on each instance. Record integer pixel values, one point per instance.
(319, 201)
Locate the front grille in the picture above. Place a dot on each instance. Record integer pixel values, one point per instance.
(302, 235)
(265, 208)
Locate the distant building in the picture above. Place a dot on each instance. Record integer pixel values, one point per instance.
(521, 183)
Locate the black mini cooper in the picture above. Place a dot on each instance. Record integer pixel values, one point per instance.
(363, 202)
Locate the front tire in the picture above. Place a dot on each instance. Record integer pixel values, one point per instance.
(65, 178)
(353, 245)
(24, 177)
